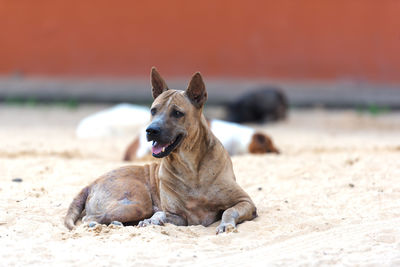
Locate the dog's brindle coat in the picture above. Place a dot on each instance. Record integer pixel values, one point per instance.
(193, 184)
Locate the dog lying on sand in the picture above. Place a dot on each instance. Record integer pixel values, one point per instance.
(193, 184)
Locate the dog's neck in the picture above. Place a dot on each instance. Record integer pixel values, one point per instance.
(188, 158)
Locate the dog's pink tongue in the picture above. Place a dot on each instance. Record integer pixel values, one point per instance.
(157, 149)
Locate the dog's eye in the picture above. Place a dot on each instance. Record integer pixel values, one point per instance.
(177, 113)
(153, 111)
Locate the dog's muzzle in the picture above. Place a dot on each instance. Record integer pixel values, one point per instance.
(161, 148)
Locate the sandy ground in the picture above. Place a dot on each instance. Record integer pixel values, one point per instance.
(331, 198)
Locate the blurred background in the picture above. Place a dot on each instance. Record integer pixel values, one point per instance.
(342, 53)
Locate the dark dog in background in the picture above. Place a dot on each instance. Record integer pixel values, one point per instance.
(261, 105)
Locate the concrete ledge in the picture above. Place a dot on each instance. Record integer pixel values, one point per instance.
(331, 94)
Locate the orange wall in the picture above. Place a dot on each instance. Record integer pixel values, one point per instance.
(357, 39)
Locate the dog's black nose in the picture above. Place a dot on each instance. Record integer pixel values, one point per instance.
(153, 131)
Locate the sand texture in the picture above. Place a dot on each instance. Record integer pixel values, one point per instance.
(331, 198)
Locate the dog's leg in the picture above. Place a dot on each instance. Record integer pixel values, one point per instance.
(176, 219)
(158, 218)
(242, 211)
(161, 217)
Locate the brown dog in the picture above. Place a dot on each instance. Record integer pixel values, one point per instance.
(193, 184)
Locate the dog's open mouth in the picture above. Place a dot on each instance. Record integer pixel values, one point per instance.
(162, 150)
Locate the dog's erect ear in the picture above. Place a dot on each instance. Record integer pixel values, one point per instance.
(158, 83)
(196, 90)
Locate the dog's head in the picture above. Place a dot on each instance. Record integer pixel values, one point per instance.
(174, 113)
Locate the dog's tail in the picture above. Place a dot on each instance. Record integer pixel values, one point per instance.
(76, 207)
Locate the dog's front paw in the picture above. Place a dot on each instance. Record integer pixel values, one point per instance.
(151, 221)
(144, 223)
(158, 218)
(226, 227)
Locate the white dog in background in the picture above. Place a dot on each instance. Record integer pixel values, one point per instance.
(118, 120)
